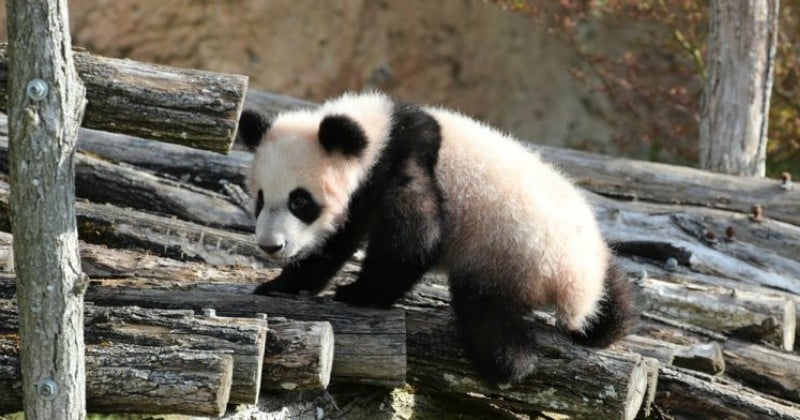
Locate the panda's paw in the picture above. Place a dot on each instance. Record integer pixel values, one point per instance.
(358, 295)
(276, 286)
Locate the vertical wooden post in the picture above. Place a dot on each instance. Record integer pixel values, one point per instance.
(46, 102)
(741, 57)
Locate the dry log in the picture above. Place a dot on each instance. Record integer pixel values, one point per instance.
(631, 228)
(670, 184)
(137, 379)
(750, 316)
(370, 343)
(104, 182)
(646, 181)
(571, 379)
(299, 355)
(130, 325)
(190, 107)
(165, 236)
(769, 371)
(706, 357)
(751, 294)
(682, 395)
(244, 337)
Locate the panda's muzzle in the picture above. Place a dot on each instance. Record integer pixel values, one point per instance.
(272, 249)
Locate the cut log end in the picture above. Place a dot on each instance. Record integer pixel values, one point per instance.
(637, 389)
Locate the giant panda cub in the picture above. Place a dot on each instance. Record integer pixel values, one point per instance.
(429, 188)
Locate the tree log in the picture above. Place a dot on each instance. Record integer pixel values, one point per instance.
(125, 228)
(706, 358)
(750, 316)
(606, 175)
(244, 337)
(631, 228)
(571, 379)
(299, 355)
(130, 325)
(195, 108)
(734, 288)
(370, 343)
(769, 371)
(104, 182)
(681, 395)
(138, 379)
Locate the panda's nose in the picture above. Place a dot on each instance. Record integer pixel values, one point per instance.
(272, 249)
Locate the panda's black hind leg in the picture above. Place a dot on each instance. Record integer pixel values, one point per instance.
(497, 339)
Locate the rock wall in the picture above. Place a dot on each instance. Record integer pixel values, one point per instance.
(465, 54)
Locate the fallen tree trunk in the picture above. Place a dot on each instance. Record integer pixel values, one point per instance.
(299, 355)
(670, 184)
(190, 107)
(632, 227)
(125, 228)
(623, 378)
(570, 379)
(706, 358)
(245, 338)
(682, 395)
(769, 371)
(732, 288)
(125, 378)
(104, 182)
(750, 316)
(370, 343)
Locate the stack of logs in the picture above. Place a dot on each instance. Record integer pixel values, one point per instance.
(171, 325)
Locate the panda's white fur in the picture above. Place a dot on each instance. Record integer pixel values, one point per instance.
(506, 204)
(432, 188)
(290, 156)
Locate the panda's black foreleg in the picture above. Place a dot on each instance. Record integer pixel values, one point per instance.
(313, 272)
(497, 339)
(386, 274)
(404, 244)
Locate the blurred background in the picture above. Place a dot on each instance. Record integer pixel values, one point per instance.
(616, 77)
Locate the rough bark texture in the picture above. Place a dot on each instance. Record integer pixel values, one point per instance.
(370, 343)
(741, 59)
(43, 130)
(168, 236)
(123, 378)
(190, 107)
(245, 338)
(299, 355)
(683, 395)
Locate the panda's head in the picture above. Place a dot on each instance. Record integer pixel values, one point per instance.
(306, 166)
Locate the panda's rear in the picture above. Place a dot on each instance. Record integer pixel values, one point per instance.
(437, 188)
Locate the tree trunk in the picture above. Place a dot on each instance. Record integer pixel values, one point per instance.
(741, 59)
(46, 101)
(183, 106)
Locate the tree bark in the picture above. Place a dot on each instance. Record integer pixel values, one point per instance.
(189, 107)
(741, 60)
(44, 117)
(370, 344)
(125, 378)
(299, 355)
(682, 395)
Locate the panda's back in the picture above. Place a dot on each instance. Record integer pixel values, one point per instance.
(512, 215)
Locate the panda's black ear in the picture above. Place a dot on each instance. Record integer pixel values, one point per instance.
(252, 127)
(341, 133)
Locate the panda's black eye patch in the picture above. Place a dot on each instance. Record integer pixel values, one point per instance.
(303, 206)
(259, 202)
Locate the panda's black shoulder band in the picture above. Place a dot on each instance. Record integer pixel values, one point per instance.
(252, 127)
(341, 133)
